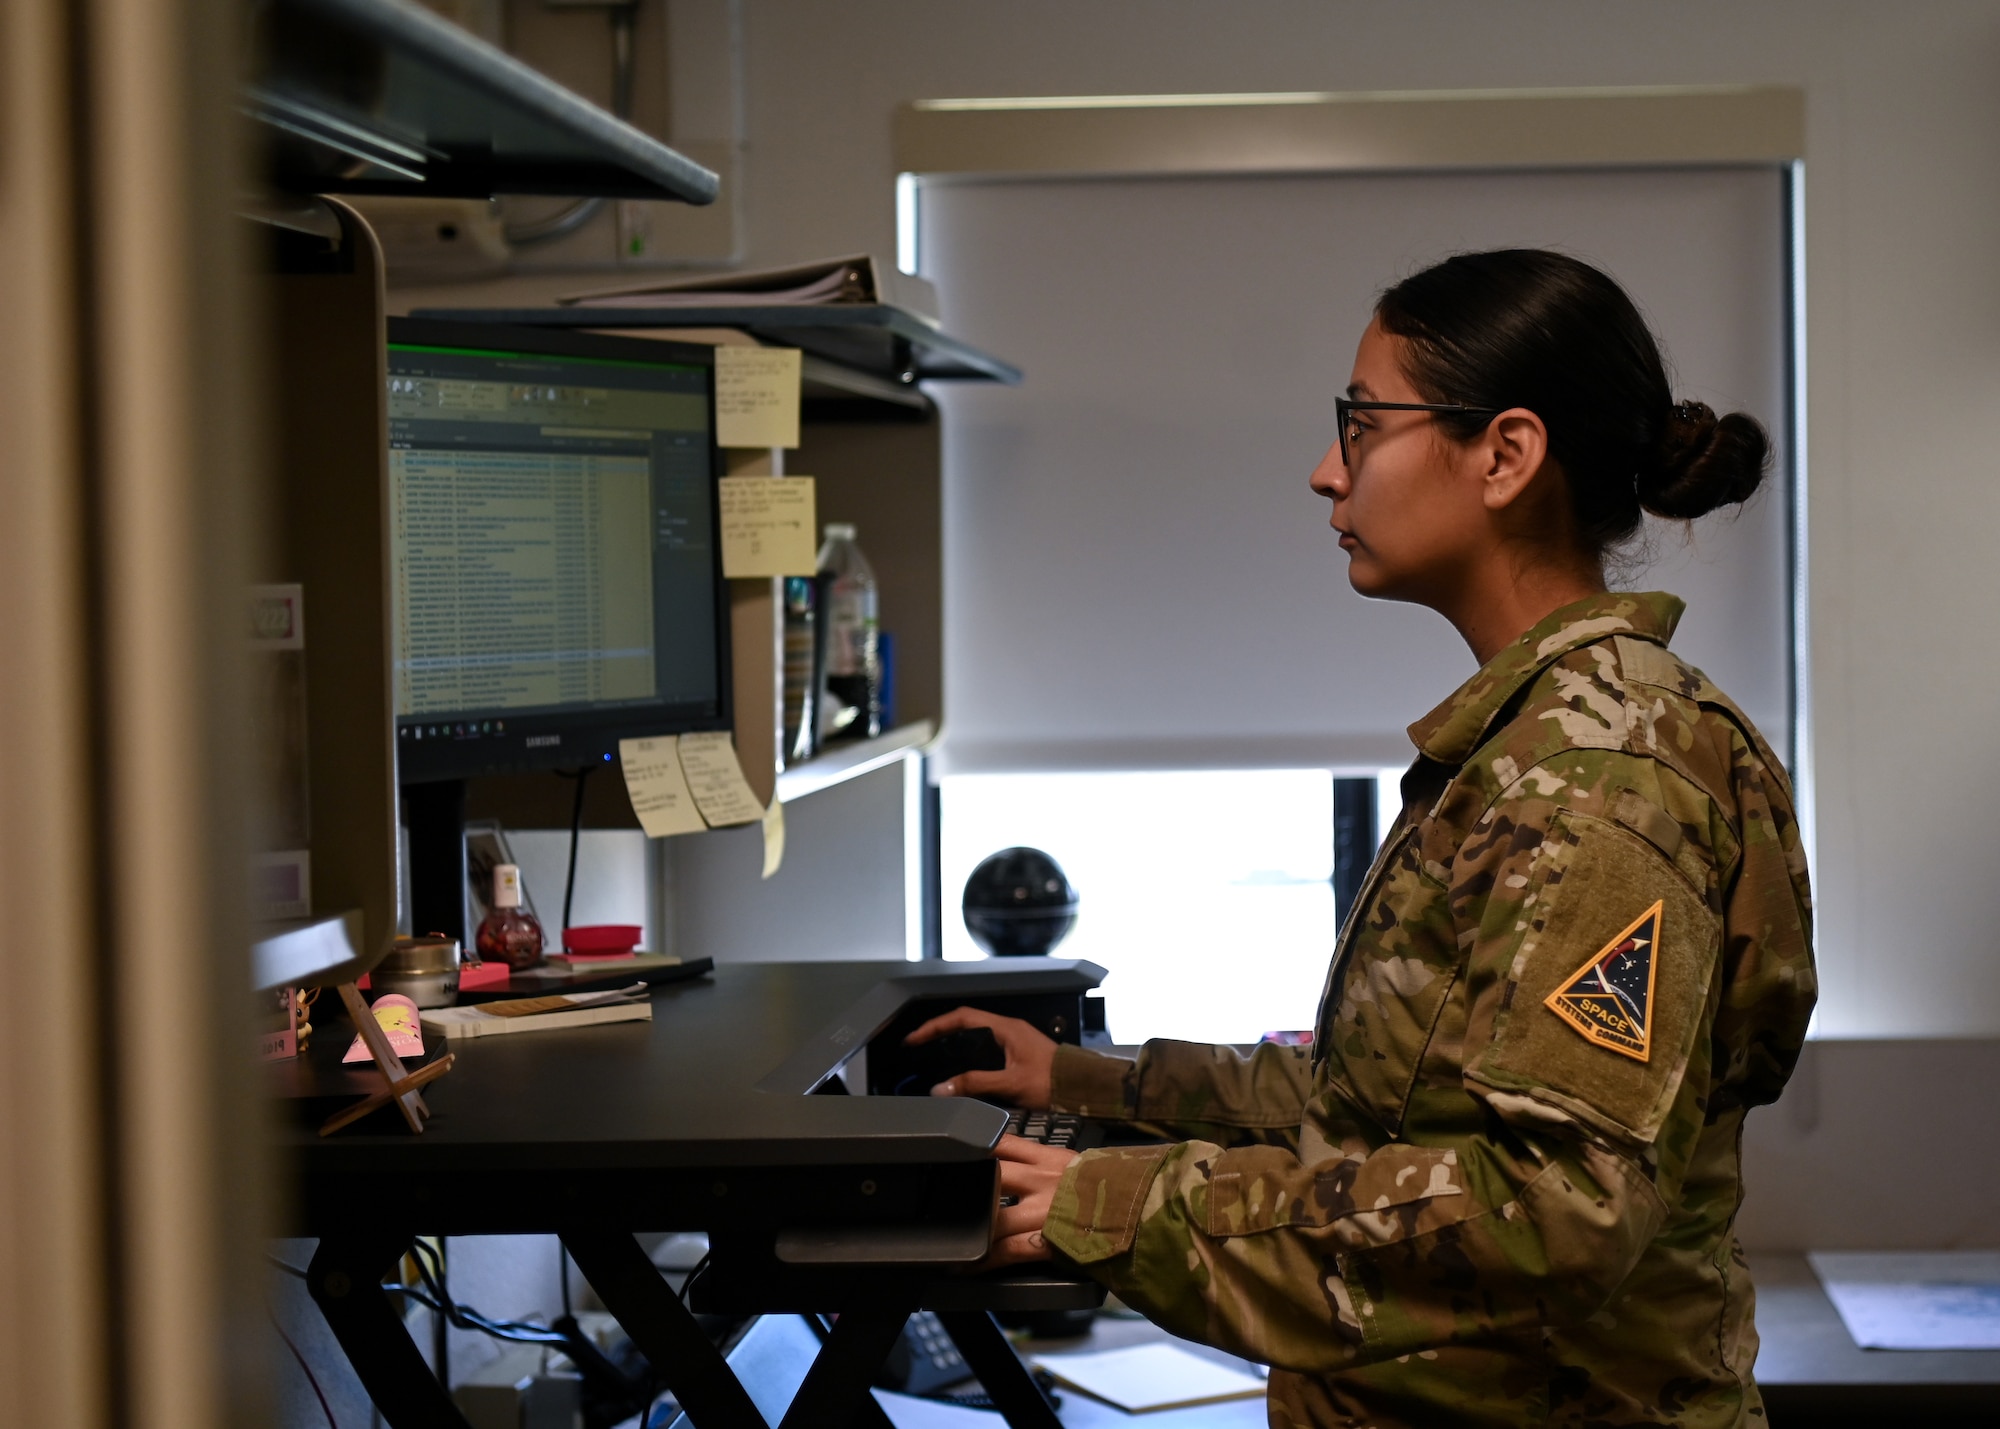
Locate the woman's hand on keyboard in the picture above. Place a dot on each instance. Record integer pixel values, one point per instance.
(1029, 1172)
(1031, 1059)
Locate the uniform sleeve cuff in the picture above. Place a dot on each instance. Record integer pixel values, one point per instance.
(1093, 1084)
(1101, 1200)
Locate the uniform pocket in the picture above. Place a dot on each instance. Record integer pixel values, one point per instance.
(1396, 965)
(1606, 996)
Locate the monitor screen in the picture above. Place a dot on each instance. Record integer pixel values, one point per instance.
(556, 585)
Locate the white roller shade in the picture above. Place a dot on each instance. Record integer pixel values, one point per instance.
(1136, 575)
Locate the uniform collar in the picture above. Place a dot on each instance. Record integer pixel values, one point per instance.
(1449, 733)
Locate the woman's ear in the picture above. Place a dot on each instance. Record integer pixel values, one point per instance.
(1514, 448)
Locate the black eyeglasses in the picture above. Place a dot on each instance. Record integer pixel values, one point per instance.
(1344, 410)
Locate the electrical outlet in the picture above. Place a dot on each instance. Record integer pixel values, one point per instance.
(635, 231)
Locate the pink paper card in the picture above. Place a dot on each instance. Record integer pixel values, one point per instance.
(398, 1016)
(482, 977)
(279, 1035)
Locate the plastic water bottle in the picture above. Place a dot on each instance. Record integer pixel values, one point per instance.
(851, 699)
(801, 643)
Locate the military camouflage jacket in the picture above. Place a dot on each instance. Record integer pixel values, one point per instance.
(1499, 1188)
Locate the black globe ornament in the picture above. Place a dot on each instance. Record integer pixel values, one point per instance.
(1019, 903)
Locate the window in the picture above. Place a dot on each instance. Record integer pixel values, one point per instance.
(1206, 894)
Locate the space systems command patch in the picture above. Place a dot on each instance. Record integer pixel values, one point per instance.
(1609, 999)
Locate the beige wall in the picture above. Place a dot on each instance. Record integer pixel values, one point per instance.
(1903, 224)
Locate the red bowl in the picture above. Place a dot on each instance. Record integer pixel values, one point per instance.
(604, 940)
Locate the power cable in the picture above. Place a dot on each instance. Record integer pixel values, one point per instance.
(582, 777)
(304, 1368)
(568, 219)
(435, 1297)
(272, 1315)
(699, 1267)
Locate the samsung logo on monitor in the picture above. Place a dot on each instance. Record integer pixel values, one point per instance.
(541, 741)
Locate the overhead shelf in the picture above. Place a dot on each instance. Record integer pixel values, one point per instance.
(829, 390)
(842, 762)
(887, 342)
(384, 97)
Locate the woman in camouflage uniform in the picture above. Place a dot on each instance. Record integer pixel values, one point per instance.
(1499, 1187)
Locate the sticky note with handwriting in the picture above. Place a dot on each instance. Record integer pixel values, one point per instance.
(757, 396)
(658, 788)
(774, 836)
(767, 526)
(716, 780)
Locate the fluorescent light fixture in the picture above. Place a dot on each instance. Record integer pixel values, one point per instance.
(1123, 101)
(1314, 96)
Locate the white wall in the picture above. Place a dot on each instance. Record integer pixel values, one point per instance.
(1903, 224)
(840, 893)
(1811, 1163)
(616, 881)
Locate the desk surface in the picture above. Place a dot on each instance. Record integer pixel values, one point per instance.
(1810, 1371)
(1805, 1342)
(716, 1079)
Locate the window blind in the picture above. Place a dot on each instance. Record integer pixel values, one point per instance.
(1136, 575)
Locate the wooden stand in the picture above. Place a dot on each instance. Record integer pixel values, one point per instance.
(399, 1084)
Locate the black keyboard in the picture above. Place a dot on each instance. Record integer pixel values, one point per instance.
(1054, 1128)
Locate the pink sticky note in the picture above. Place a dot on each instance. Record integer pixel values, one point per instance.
(398, 1016)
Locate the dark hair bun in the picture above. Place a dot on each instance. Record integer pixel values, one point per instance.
(1704, 461)
(1524, 327)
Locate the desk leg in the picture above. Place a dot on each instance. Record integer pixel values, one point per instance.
(345, 1281)
(835, 1392)
(632, 1290)
(1006, 1380)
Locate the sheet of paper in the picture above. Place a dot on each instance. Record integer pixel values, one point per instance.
(716, 780)
(757, 396)
(774, 836)
(1914, 1300)
(906, 1411)
(1154, 1376)
(658, 788)
(767, 526)
(1080, 1411)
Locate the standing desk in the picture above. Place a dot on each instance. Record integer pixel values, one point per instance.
(703, 1119)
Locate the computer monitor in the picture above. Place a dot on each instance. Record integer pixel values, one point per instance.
(556, 584)
(555, 571)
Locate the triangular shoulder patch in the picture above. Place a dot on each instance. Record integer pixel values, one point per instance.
(1610, 998)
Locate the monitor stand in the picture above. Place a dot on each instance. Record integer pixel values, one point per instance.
(436, 816)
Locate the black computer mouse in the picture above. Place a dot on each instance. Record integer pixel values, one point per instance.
(925, 1064)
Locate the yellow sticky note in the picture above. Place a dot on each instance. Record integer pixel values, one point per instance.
(657, 787)
(767, 526)
(716, 780)
(774, 837)
(757, 396)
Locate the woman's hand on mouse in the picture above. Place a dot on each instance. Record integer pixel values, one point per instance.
(1031, 1059)
(1029, 1172)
